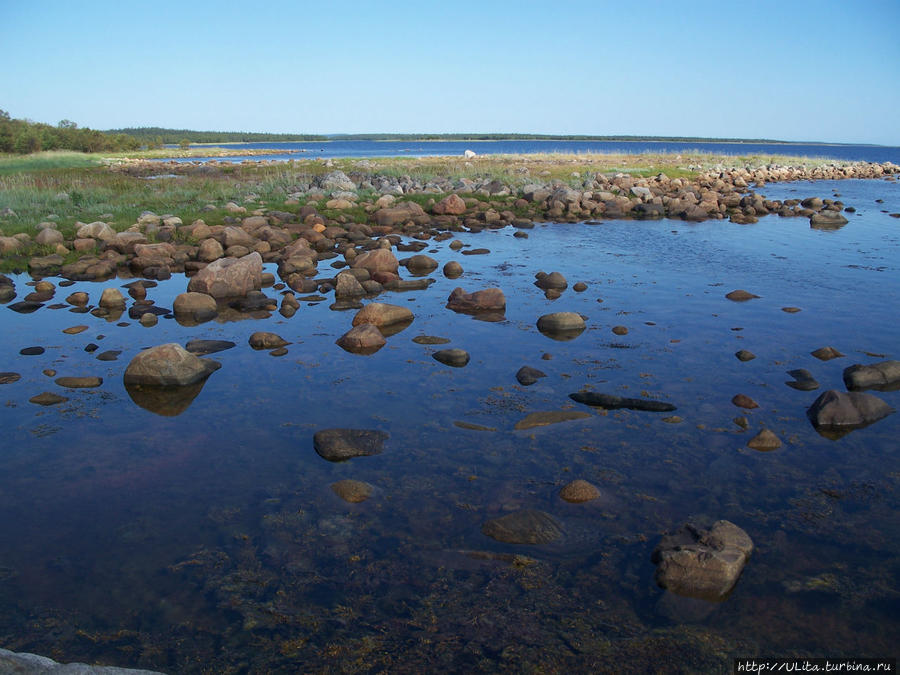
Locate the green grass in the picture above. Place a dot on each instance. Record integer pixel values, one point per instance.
(43, 161)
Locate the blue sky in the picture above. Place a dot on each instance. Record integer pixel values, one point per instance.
(791, 70)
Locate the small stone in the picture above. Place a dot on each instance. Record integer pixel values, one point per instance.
(803, 380)
(337, 445)
(47, 398)
(31, 351)
(281, 351)
(579, 491)
(620, 330)
(740, 295)
(78, 299)
(527, 376)
(580, 287)
(744, 401)
(430, 340)
(148, 319)
(764, 441)
(353, 491)
(111, 355)
(744, 355)
(827, 353)
(9, 378)
(542, 419)
(457, 358)
(204, 347)
(742, 422)
(672, 419)
(112, 299)
(74, 330)
(790, 310)
(264, 340)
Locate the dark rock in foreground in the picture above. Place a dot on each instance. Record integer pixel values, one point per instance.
(337, 445)
(883, 376)
(204, 347)
(612, 402)
(703, 564)
(528, 526)
(837, 413)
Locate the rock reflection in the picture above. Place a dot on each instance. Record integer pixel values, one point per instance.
(165, 401)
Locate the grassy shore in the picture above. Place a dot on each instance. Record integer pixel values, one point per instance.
(68, 187)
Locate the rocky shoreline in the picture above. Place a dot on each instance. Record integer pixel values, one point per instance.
(342, 215)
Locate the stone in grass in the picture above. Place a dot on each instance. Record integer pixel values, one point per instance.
(764, 441)
(338, 445)
(353, 491)
(579, 491)
(699, 563)
(528, 526)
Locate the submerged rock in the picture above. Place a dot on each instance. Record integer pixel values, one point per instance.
(382, 314)
(579, 491)
(803, 380)
(47, 398)
(740, 295)
(527, 375)
(542, 419)
(703, 564)
(337, 445)
(204, 347)
(744, 401)
(882, 376)
(764, 441)
(9, 378)
(79, 382)
(612, 402)
(744, 355)
(528, 526)
(826, 353)
(353, 491)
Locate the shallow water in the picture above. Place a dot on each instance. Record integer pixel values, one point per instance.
(212, 542)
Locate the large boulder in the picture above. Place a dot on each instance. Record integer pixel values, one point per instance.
(700, 563)
(561, 325)
(836, 413)
(884, 376)
(229, 277)
(827, 220)
(382, 314)
(398, 215)
(451, 205)
(168, 365)
(196, 307)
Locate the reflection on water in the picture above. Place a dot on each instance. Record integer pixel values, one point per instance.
(203, 535)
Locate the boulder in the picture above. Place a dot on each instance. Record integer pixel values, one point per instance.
(198, 307)
(398, 215)
(836, 412)
(377, 260)
(700, 563)
(362, 339)
(264, 340)
(451, 205)
(210, 250)
(883, 376)
(421, 264)
(487, 300)
(827, 220)
(553, 280)
(347, 286)
(112, 298)
(229, 277)
(337, 445)
(382, 314)
(561, 325)
(168, 365)
(96, 230)
(49, 237)
(457, 358)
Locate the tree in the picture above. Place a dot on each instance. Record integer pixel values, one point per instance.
(185, 144)
(67, 124)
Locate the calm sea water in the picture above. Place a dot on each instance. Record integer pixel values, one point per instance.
(871, 153)
(212, 542)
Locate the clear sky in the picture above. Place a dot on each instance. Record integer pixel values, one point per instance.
(800, 70)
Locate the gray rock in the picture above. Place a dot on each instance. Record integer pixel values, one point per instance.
(882, 376)
(827, 220)
(703, 564)
(31, 664)
(803, 380)
(204, 347)
(528, 526)
(553, 280)
(612, 402)
(337, 445)
(527, 375)
(836, 413)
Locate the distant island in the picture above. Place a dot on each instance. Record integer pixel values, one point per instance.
(160, 135)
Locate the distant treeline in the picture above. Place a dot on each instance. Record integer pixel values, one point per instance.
(155, 136)
(23, 137)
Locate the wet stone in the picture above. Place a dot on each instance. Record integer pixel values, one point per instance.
(264, 340)
(87, 382)
(827, 353)
(203, 347)
(31, 351)
(9, 378)
(528, 526)
(579, 491)
(803, 380)
(353, 491)
(25, 306)
(430, 340)
(620, 330)
(47, 398)
(613, 402)
(337, 445)
(527, 375)
(764, 441)
(281, 351)
(744, 355)
(111, 355)
(790, 310)
(545, 418)
(740, 295)
(457, 358)
(744, 401)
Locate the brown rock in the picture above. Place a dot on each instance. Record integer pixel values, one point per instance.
(764, 441)
(541, 419)
(79, 382)
(744, 401)
(264, 340)
(376, 260)
(489, 299)
(362, 339)
(168, 365)
(528, 526)
(197, 306)
(74, 330)
(579, 491)
(382, 314)
(229, 277)
(827, 353)
(353, 491)
(47, 398)
(740, 296)
(451, 205)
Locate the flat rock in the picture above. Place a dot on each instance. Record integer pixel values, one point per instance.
(542, 419)
(579, 491)
(882, 376)
(612, 402)
(204, 347)
(740, 295)
(47, 398)
(25, 306)
(528, 526)
(109, 355)
(74, 330)
(337, 445)
(486, 300)
(168, 365)
(700, 563)
(382, 314)
(79, 382)
(353, 491)
(526, 375)
(9, 378)
(430, 340)
(764, 441)
(31, 351)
